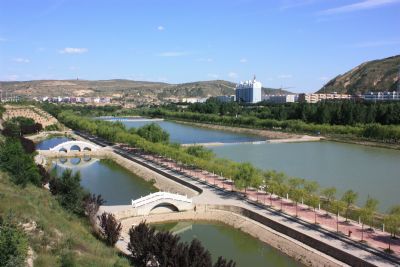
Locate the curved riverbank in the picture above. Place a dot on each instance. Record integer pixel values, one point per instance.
(289, 246)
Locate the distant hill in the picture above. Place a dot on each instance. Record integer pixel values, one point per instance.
(127, 88)
(376, 75)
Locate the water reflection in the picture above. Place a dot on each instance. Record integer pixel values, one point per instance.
(230, 243)
(117, 185)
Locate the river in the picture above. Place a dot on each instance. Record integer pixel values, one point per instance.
(367, 170)
(187, 134)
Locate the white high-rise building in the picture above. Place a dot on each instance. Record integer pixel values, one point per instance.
(249, 91)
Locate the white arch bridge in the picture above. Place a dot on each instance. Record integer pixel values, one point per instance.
(160, 202)
(75, 146)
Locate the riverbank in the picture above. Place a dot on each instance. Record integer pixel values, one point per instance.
(268, 134)
(285, 137)
(291, 247)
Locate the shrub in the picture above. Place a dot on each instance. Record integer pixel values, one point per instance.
(111, 228)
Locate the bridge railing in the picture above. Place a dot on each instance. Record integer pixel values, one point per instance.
(158, 196)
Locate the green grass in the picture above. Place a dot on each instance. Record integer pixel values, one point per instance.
(59, 234)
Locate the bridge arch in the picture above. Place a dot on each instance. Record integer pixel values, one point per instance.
(164, 207)
(161, 202)
(75, 146)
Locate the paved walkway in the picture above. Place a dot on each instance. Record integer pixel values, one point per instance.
(214, 195)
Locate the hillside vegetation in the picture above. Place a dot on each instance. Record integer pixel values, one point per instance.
(126, 88)
(376, 75)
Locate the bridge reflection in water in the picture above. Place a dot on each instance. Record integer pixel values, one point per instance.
(71, 163)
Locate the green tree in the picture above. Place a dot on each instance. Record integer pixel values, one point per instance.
(295, 191)
(329, 194)
(313, 201)
(200, 152)
(338, 206)
(245, 175)
(13, 244)
(392, 223)
(349, 197)
(153, 133)
(68, 191)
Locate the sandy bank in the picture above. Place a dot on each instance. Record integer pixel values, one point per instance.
(287, 245)
(268, 134)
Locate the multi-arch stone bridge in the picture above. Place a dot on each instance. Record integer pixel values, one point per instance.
(73, 149)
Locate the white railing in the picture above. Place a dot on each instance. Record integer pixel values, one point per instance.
(159, 196)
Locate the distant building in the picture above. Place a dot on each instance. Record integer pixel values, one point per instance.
(315, 98)
(381, 96)
(248, 91)
(226, 98)
(281, 98)
(194, 100)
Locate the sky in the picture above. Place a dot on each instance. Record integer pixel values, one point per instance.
(297, 45)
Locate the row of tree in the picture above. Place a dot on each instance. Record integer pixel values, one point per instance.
(386, 133)
(19, 126)
(325, 112)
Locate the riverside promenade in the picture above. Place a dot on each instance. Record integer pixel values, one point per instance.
(215, 190)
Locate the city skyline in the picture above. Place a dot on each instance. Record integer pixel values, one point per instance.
(298, 45)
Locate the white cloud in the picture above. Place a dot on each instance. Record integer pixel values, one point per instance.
(160, 28)
(3, 39)
(285, 76)
(362, 5)
(73, 50)
(21, 60)
(173, 54)
(243, 60)
(232, 74)
(213, 75)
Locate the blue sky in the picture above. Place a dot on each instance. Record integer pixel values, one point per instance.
(294, 44)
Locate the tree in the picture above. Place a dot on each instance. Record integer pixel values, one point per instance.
(349, 197)
(296, 193)
(13, 244)
(245, 176)
(313, 201)
(221, 262)
(198, 255)
(392, 223)
(92, 203)
(18, 163)
(329, 194)
(68, 191)
(338, 206)
(142, 242)
(153, 133)
(394, 213)
(111, 228)
(200, 152)
(371, 205)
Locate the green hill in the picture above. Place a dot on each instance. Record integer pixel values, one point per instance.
(376, 75)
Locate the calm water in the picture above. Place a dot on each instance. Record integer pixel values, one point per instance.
(367, 170)
(116, 185)
(230, 243)
(51, 142)
(187, 134)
